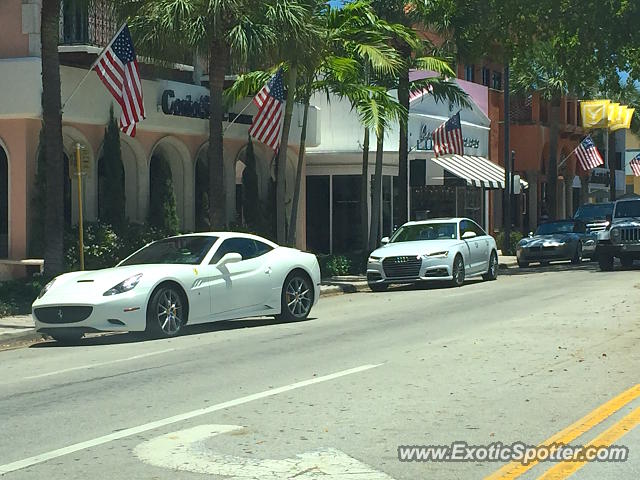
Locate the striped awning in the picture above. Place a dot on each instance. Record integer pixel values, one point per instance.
(476, 171)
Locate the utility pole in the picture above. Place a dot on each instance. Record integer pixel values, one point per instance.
(506, 202)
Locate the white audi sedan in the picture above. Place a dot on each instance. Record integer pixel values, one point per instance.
(181, 280)
(449, 249)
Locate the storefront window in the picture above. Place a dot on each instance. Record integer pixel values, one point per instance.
(346, 213)
(318, 217)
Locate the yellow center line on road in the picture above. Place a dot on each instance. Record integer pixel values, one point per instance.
(515, 469)
(605, 439)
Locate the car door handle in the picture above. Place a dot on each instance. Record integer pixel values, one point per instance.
(268, 271)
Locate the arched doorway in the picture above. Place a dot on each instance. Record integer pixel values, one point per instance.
(110, 200)
(66, 194)
(202, 192)
(4, 204)
(162, 197)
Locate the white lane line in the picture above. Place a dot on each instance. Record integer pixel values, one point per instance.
(43, 457)
(101, 364)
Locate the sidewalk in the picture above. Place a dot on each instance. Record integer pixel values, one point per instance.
(21, 327)
(15, 328)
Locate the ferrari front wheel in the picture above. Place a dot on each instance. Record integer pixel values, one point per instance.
(167, 313)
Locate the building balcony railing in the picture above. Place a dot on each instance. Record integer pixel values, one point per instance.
(87, 23)
(521, 109)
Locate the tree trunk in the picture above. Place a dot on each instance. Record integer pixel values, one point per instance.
(218, 59)
(281, 166)
(612, 165)
(364, 201)
(403, 147)
(374, 233)
(298, 185)
(552, 174)
(52, 117)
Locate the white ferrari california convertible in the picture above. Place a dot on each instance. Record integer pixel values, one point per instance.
(449, 249)
(181, 280)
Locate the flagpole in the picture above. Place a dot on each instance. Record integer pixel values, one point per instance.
(236, 117)
(572, 152)
(75, 90)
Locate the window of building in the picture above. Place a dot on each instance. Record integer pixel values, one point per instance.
(486, 76)
(318, 214)
(346, 213)
(469, 73)
(497, 81)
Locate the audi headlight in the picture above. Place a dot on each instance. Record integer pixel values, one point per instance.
(442, 254)
(46, 288)
(124, 286)
(615, 235)
(373, 259)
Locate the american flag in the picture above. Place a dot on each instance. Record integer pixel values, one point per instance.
(267, 124)
(447, 138)
(117, 67)
(588, 155)
(635, 165)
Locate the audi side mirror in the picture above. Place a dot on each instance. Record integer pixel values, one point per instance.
(469, 235)
(384, 241)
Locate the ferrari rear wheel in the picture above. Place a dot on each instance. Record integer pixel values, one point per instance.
(297, 298)
(166, 314)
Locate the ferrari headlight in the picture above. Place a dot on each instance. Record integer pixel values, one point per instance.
(442, 254)
(46, 288)
(373, 259)
(124, 286)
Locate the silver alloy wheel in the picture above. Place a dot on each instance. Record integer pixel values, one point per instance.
(170, 313)
(298, 297)
(458, 271)
(493, 267)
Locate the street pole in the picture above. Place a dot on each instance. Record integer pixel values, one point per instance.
(610, 163)
(80, 222)
(506, 244)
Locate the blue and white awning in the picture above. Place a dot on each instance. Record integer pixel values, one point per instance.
(476, 171)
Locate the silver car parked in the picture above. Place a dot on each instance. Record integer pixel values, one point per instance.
(449, 250)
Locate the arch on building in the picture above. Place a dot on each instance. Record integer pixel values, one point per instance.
(70, 137)
(177, 155)
(136, 179)
(5, 200)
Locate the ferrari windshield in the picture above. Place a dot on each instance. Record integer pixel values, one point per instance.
(628, 209)
(425, 231)
(555, 227)
(176, 250)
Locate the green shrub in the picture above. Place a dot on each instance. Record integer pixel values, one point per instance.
(515, 238)
(104, 247)
(16, 296)
(334, 265)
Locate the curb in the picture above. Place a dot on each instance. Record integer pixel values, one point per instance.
(332, 289)
(8, 339)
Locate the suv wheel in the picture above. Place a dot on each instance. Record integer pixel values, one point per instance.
(605, 262)
(627, 261)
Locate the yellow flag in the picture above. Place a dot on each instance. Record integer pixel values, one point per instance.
(595, 113)
(623, 120)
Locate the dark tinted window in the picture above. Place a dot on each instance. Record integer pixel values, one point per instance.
(469, 226)
(178, 250)
(246, 247)
(555, 227)
(629, 208)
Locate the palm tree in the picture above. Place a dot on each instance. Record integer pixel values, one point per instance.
(52, 118)
(231, 33)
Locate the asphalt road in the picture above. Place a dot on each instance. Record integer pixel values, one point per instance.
(538, 353)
